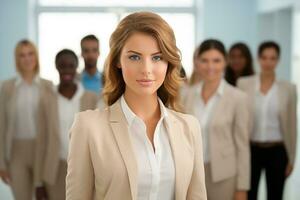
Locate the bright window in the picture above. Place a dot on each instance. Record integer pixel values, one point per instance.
(63, 23)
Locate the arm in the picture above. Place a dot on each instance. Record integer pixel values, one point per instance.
(80, 176)
(241, 139)
(40, 152)
(4, 175)
(197, 189)
(3, 123)
(41, 144)
(293, 125)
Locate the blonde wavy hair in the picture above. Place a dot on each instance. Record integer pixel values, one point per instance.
(18, 48)
(153, 25)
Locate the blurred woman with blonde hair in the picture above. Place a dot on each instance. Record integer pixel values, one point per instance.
(139, 147)
(19, 104)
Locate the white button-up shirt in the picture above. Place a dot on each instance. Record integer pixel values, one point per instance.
(266, 115)
(156, 171)
(67, 108)
(203, 112)
(27, 100)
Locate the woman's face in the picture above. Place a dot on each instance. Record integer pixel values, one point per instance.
(237, 60)
(27, 59)
(268, 60)
(142, 64)
(210, 65)
(66, 67)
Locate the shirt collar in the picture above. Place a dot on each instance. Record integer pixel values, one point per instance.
(257, 83)
(130, 116)
(20, 80)
(220, 89)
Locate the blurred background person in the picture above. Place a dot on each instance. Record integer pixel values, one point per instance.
(58, 112)
(239, 63)
(20, 99)
(273, 109)
(91, 77)
(222, 112)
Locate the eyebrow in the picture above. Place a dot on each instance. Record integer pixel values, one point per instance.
(131, 51)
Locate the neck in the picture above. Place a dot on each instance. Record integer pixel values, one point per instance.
(211, 86)
(67, 89)
(267, 76)
(91, 70)
(147, 109)
(28, 77)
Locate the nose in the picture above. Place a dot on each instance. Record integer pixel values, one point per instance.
(210, 65)
(147, 66)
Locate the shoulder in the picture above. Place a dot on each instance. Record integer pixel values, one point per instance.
(91, 116)
(247, 78)
(191, 91)
(90, 95)
(46, 83)
(287, 87)
(9, 83)
(90, 119)
(235, 92)
(287, 84)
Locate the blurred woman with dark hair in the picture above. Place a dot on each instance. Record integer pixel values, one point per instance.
(239, 63)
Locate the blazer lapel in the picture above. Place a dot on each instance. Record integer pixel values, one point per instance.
(121, 134)
(281, 92)
(12, 109)
(174, 131)
(218, 108)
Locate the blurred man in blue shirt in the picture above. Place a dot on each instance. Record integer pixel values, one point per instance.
(91, 78)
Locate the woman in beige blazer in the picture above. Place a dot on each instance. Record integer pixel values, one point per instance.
(222, 112)
(19, 105)
(58, 111)
(137, 148)
(273, 108)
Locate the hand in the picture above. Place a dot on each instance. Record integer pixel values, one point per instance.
(41, 193)
(5, 177)
(240, 195)
(288, 170)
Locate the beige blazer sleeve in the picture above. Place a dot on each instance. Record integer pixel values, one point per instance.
(40, 144)
(80, 177)
(292, 109)
(197, 189)
(3, 123)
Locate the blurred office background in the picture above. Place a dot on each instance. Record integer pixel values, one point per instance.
(57, 24)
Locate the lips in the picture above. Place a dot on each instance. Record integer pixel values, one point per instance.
(67, 77)
(145, 82)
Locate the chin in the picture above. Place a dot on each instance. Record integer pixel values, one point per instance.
(145, 91)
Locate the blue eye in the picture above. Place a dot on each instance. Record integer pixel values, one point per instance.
(157, 58)
(134, 57)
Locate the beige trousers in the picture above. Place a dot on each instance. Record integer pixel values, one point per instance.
(21, 169)
(222, 190)
(58, 190)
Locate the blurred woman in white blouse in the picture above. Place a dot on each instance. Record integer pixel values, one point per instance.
(139, 147)
(273, 108)
(19, 105)
(223, 115)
